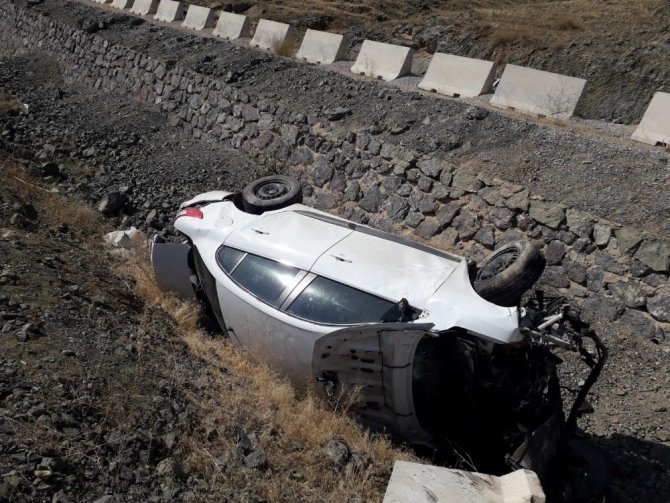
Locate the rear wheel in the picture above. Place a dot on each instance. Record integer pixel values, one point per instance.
(271, 193)
(509, 272)
(207, 289)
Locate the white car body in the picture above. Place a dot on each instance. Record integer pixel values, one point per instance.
(433, 282)
(324, 299)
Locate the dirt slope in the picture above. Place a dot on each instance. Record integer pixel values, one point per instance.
(106, 397)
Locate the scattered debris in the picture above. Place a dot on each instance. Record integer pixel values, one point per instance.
(130, 239)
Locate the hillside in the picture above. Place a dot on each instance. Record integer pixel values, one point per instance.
(622, 48)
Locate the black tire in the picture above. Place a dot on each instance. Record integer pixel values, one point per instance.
(271, 193)
(509, 272)
(207, 292)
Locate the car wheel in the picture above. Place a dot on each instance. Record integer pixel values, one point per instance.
(207, 287)
(509, 272)
(271, 193)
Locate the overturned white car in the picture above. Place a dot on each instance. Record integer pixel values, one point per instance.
(436, 347)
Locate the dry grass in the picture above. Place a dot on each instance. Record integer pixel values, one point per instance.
(53, 208)
(287, 47)
(567, 24)
(11, 104)
(556, 24)
(540, 21)
(292, 428)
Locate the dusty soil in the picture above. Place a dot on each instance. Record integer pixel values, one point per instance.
(102, 394)
(622, 48)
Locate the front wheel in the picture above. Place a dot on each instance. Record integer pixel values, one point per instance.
(509, 272)
(271, 193)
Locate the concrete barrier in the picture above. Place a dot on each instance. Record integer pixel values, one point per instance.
(199, 18)
(458, 76)
(169, 11)
(144, 7)
(271, 35)
(386, 61)
(321, 47)
(654, 127)
(122, 4)
(232, 26)
(537, 92)
(432, 484)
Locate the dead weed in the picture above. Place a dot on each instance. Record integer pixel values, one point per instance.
(53, 208)
(292, 428)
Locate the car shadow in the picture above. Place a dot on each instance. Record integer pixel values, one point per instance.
(640, 469)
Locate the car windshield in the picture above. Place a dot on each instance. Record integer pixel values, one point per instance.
(329, 302)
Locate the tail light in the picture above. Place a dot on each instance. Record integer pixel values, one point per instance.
(190, 212)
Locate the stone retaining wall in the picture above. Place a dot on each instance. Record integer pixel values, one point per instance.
(617, 273)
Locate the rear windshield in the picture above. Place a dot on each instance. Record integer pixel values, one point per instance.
(332, 303)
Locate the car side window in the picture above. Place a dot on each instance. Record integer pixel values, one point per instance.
(332, 303)
(228, 258)
(264, 278)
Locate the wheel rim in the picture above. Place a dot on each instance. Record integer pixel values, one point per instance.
(271, 190)
(498, 263)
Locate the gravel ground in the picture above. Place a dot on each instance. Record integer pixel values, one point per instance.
(103, 398)
(622, 181)
(125, 146)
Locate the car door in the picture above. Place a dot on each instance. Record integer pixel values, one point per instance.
(250, 293)
(374, 362)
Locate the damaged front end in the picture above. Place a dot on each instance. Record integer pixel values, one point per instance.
(461, 400)
(505, 411)
(577, 471)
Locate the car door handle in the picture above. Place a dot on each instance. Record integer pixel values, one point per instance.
(341, 258)
(259, 230)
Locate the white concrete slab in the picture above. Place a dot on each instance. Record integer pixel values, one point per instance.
(199, 18)
(538, 92)
(232, 26)
(321, 47)
(412, 482)
(654, 127)
(144, 7)
(271, 35)
(122, 4)
(386, 61)
(170, 11)
(458, 76)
